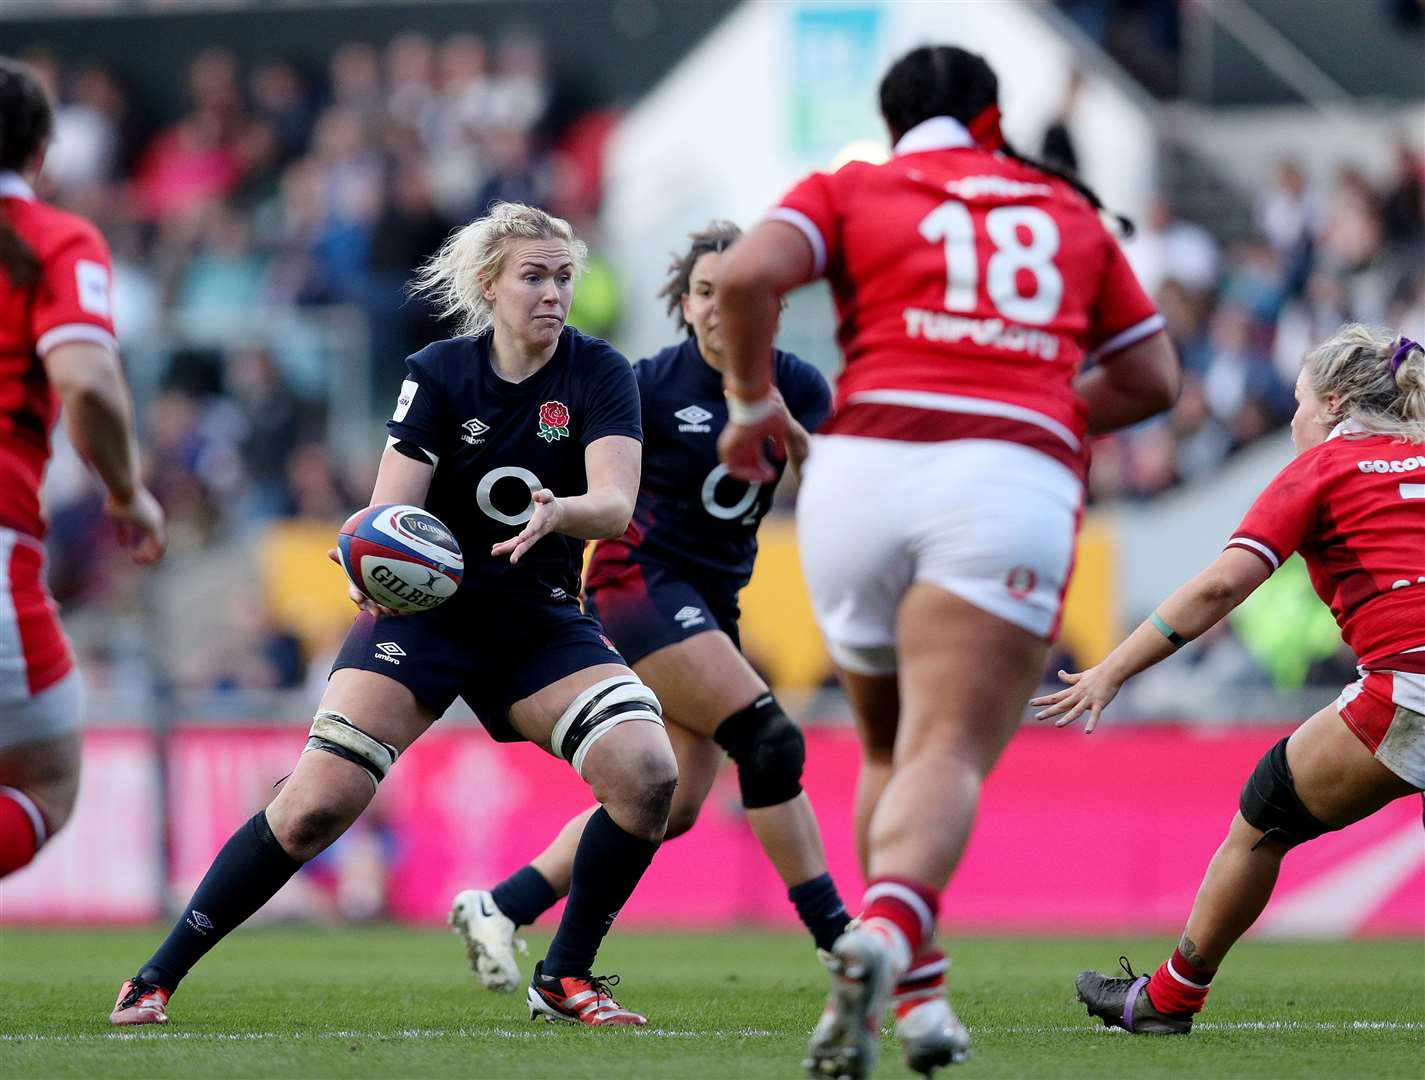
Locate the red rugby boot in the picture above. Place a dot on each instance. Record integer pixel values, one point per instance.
(578, 1000)
(140, 1003)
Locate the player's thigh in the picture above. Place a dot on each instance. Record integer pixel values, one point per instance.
(702, 680)
(1335, 774)
(965, 677)
(875, 705)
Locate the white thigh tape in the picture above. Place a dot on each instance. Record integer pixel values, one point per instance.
(336, 728)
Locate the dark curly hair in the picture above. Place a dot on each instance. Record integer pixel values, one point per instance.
(717, 236)
(26, 119)
(944, 80)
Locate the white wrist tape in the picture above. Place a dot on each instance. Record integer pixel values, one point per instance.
(748, 413)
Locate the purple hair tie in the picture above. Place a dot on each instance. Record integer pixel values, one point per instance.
(1403, 345)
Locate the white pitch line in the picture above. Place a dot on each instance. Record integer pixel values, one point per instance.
(661, 1033)
(548, 1032)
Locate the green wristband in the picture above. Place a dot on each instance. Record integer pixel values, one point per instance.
(1175, 639)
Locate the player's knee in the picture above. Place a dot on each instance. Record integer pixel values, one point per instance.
(307, 826)
(600, 710)
(1269, 802)
(769, 752)
(682, 816)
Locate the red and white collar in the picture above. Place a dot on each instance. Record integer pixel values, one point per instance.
(937, 133)
(13, 186)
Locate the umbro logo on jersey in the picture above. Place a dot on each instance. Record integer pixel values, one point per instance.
(688, 617)
(474, 429)
(695, 418)
(388, 651)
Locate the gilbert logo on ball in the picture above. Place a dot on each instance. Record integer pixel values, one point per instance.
(553, 421)
(402, 557)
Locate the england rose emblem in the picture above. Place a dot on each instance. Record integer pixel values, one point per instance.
(553, 421)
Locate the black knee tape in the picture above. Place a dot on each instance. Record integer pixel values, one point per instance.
(1269, 802)
(769, 752)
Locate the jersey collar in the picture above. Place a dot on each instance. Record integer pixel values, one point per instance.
(1348, 426)
(13, 186)
(937, 133)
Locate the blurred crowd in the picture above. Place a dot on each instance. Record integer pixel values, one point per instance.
(281, 194)
(1243, 315)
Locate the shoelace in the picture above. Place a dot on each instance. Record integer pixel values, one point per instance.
(137, 990)
(600, 985)
(1133, 976)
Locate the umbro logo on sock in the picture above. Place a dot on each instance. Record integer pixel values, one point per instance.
(199, 922)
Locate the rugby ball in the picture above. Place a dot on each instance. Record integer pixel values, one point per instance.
(402, 557)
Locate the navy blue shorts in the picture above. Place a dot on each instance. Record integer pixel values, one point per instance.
(489, 658)
(646, 606)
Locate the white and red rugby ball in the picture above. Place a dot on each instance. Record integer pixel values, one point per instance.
(402, 557)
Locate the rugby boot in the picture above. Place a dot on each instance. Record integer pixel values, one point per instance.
(140, 1002)
(490, 942)
(1125, 1003)
(578, 1000)
(930, 1034)
(846, 1038)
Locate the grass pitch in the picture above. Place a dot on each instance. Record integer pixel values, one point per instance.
(391, 1002)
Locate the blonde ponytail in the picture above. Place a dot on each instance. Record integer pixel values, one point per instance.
(475, 255)
(1376, 377)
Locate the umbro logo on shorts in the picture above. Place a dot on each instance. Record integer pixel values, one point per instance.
(388, 651)
(474, 429)
(695, 418)
(689, 617)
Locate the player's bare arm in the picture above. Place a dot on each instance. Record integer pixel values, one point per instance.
(100, 417)
(756, 272)
(401, 479)
(1188, 613)
(613, 465)
(1131, 385)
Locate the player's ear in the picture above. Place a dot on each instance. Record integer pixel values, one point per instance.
(687, 313)
(487, 290)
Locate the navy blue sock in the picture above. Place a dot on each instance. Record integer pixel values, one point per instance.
(246, 874)
(820, 907)
(607, 865)
(524, 896)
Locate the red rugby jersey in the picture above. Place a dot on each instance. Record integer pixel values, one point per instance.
(70, 302)
(1355, 508)
(969, 289)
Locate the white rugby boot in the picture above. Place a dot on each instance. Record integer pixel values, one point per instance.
(490, 942)
(930, 1034)
(846, 1039)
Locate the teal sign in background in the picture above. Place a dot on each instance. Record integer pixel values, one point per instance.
(834, 71)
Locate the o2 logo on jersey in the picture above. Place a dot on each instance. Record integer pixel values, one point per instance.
(485, 490)
(722, 511)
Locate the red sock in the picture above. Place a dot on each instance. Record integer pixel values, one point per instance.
(904, 910)
(923, 981)
(22, 829)
(1179, 987)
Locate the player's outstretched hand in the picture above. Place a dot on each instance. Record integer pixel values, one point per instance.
(547, 517)
(140, 523)
(743, 447)
(1089, 691)
(359, 598)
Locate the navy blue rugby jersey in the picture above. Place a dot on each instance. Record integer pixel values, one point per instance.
(496, 442)
(691, 515)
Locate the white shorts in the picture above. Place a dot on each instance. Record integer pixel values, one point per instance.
(39, 688)
(991, 521)
(1386, 710)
